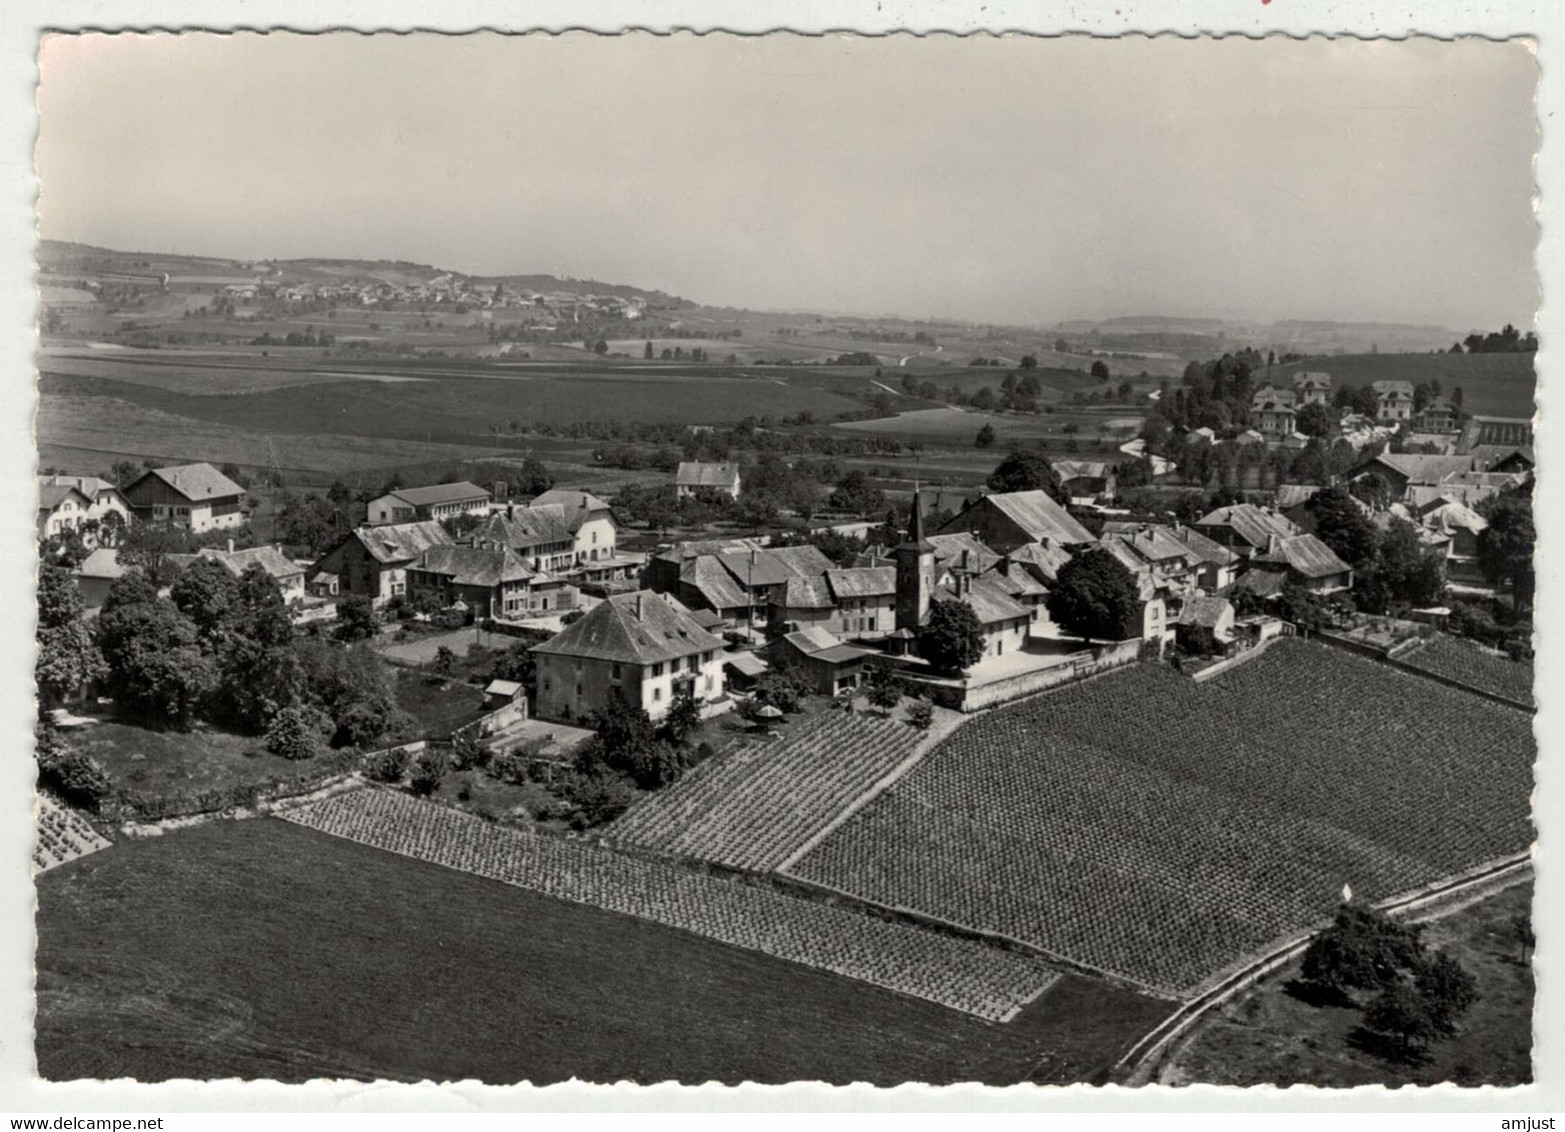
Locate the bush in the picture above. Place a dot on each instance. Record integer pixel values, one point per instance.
(596, 798)
(428, 770)
(921, 714)
(386, 766)
(297, 733)
(77, 778)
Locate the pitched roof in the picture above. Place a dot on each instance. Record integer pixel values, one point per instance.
(635, 628)
(1418, 468)
(402, 542)
(1262, 583)
(1204, 611)
(715, 584)
(1402, 390)
(863, 581)
(988, 598)
(746, 663)
(1250, 523)
(522, 528)
(90, 486)
(778, 563)
(475, 565)
(439, 493)
(1018, 581)
(812, 639)
(1307, 555)
(51, 495)
(1450, 515)
(269, 558)
(1422, 495)
(1078, 469)
(102, 563)
(196, 482)
(1153, 542)
(1204, 548)
(1037, 514)
(1292, 494)
(1042, 561)
(694, 473)
(806, 593)
(949, 550)
(579, 506)
(1312, 380)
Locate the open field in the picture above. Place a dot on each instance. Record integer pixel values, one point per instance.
(258, 949)
(163, 763)
(1473, 665)
(1272, 1037)
(959, 427)
(1161, 830)
(979, 980)
(754, 806)
(1499, 385)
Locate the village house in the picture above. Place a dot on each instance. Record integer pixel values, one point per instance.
(60, 509)
(1455, 527)
(1206, 624)
(1004, 621)
(288, 574)
(1217, 567)
(1004, 521)
(1400, 470)
(1175, 568)
(492, 582)
(827, 665)
(540, 535)
(104, 498)
(693, 476)
(1086, 482)
(1439, 415)
(97, 573)
(1312, 388)
(864, 600)
(1274, 412)
(642, 649)
(196, 496)
(438, 501)
(1245, 528)
(1307, 561)
(1395, 399)
(590, 520)
(373, 561)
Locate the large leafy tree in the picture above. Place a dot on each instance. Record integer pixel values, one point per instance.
(1505, 547)
(1096, 597)
(1027, 469)
(67, 657)
(952, 639)
(208, 594)
(1341, 524)
(157, 669)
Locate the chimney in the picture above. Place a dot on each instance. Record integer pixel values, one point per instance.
(510, 510)
(230, 546)
(638, 605)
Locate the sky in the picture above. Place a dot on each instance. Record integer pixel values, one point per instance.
(996, 179)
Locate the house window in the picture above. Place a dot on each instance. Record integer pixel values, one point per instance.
(708, 683)
(657, 669)
(657, 694)
(614, 672)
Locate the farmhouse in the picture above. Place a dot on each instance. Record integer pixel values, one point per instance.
(694, 476)
(98, 571)
(1174, 567)
(1456, 526)
(1245, 528)
(541, 535)
(1307, 561)
(489, 581)
(1086, 482)
(827, 664)
(1218, 565)
(105, 499)
(864, 600)
(60, 509)
(197, 496)
(1205, 624)
(642, 648)
(373, 561)
(438, 501)
(1005, 521)
(590, 519)
(288, 575)
(1437, 416)
(1401, 470)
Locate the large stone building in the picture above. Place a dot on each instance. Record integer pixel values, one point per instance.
(643, 649)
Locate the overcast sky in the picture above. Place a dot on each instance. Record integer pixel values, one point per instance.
(1010, 180)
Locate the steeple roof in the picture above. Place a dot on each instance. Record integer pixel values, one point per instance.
(915, 531)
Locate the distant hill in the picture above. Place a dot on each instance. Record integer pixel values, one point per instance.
(63, 257)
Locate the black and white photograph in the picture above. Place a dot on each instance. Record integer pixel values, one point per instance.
(642, 558)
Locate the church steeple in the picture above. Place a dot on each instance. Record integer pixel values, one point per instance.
(915, 558)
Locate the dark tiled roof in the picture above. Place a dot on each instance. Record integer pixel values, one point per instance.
(474, 565)
(402, 542)
(864, 581)
(524, 528)
(439, 493)
(696, 474)
(197, 482)
(1038, 515)
(1204, 611)
(1308, 556)
(638, 628)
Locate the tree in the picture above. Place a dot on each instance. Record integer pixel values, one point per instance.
(1029, 361)
(208, 594)
(536, 478)
(1341, 524)
(683, 719)
(985, 437)
(647, 353)
(428, 770)
(67, 659)
(1095, 596)
(1100, 370)
(952, 640)
(855, 494)
(356, 618)
(297, 733)
(1522, 932)
(1362, 950)
(1448, 990)
(1315, 419)
(157, 669)
(445, 660)
(1404, 569)
(1027, 469)
(885, 690)
(1399, 1010)
(1505, 546)
(921, 714)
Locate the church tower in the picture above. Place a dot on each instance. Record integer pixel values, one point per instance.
(915, 571)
